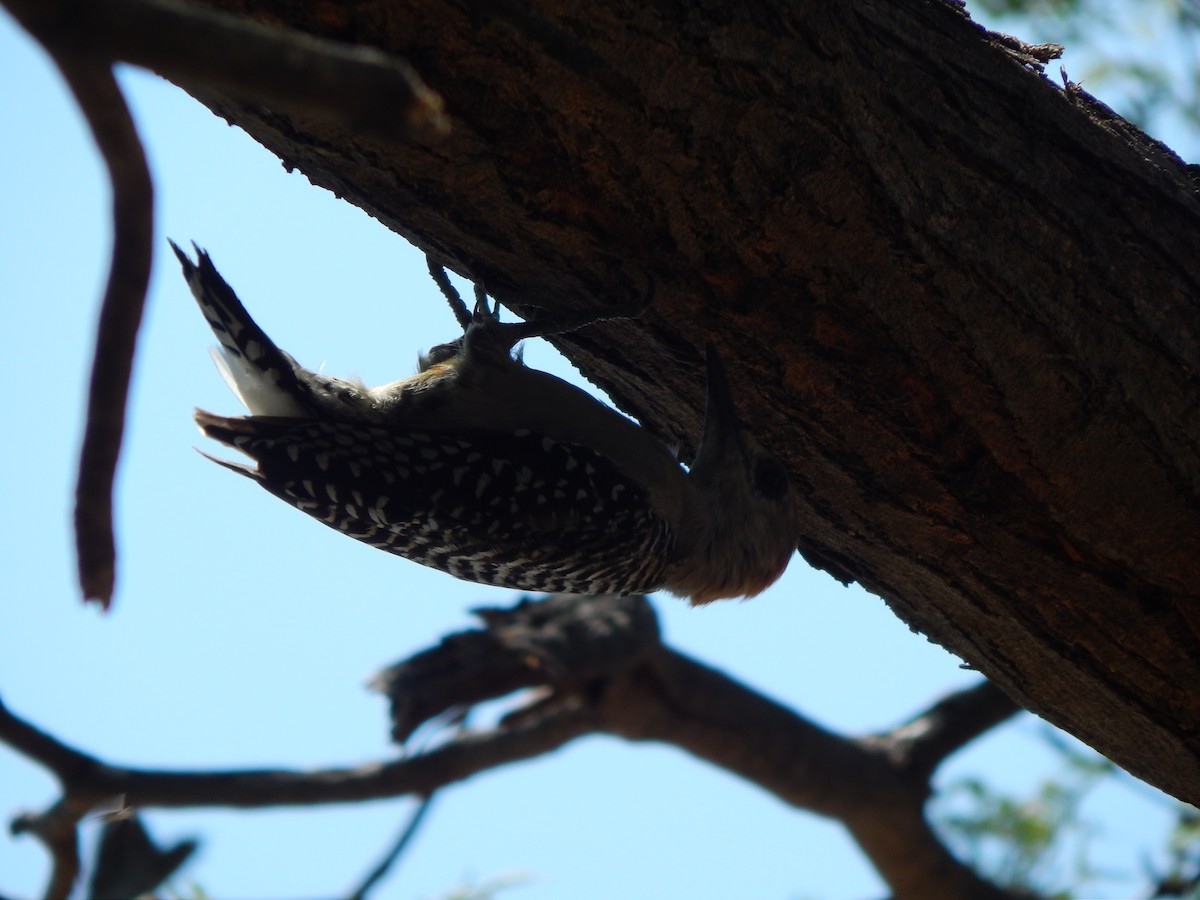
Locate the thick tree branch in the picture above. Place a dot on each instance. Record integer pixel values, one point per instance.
(682, 702)
(955, 298)
(606, 652)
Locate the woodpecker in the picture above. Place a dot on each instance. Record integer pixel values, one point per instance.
(498, 473)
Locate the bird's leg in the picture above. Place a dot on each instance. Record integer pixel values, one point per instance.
(457, 306)
(486, 317)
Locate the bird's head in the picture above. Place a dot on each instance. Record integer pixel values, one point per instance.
(747, 490)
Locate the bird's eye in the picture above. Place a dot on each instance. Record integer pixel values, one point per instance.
(770, 478)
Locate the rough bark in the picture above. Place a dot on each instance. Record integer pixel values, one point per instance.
(959, 301)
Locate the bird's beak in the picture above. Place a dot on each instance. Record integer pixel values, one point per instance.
(722, 434)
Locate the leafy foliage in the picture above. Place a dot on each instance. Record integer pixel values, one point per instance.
(1044, 844)
(1182, 876)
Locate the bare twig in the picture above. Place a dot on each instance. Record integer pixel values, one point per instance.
(406, 835)
(85, 776)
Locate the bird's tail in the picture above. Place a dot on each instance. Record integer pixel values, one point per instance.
(261, 375)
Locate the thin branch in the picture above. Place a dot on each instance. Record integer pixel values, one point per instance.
(406, 836)
(361, 88)
(457, 760)
(86, 780)
(27, 739)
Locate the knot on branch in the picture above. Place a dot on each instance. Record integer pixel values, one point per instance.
(567, 643)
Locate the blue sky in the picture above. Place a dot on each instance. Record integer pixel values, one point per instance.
(243, 632)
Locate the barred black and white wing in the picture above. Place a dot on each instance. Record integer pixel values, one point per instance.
(516, 510)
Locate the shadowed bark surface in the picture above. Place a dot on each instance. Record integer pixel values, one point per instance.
(958, 300)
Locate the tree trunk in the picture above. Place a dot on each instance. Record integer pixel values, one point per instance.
(958, 300)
